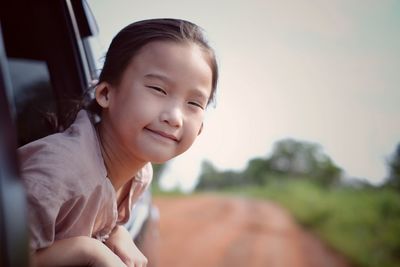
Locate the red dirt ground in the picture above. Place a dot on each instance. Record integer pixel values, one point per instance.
(215, 231)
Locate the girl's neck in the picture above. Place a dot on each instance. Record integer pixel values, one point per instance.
(121, 167)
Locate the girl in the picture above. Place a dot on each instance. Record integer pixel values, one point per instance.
(158, 78)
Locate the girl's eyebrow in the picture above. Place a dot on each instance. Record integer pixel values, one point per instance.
(157, 76)
(200, 94)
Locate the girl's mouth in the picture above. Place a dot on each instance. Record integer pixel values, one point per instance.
(163, 134)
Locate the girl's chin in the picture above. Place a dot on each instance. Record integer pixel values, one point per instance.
(161, 160)
(159, 155)
(157, 158)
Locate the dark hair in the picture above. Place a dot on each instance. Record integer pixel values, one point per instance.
(127, 43)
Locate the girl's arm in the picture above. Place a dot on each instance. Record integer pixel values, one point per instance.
(77, 251)
(121, 243)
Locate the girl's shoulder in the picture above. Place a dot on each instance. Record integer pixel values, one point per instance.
(72, 157)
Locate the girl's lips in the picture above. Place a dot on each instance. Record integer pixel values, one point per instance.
(164, 134)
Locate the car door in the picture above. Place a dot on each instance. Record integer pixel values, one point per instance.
(13, 229)
(45, 61)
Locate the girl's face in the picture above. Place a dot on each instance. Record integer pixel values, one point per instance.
(157, 109)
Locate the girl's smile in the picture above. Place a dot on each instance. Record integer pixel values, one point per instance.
(163, 136)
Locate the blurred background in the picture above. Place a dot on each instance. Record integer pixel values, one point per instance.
(307, 114)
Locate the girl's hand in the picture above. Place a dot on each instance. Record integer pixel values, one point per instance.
(77, 251)
(99, 255)
(121, 243)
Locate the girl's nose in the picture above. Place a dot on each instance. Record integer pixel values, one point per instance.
(173, 116)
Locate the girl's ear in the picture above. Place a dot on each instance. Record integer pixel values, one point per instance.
(102, 94)
(201, 128)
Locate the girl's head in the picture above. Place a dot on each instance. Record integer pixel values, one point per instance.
(127, 43)
(158, 78)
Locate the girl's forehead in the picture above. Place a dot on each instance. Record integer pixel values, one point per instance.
(170, 54)
(162, 46)
(167, 47)
(173, 63)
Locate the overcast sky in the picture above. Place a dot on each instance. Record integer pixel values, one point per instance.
(323, 71)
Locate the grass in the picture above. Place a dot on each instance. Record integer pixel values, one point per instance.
(157, 192)
(363, 224)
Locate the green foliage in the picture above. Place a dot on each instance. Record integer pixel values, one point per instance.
(257, 171)
(158, 192)
(363, 224)
(158, 169)
(212, 179)
(289, 158)
(394, 169)
(299, 158)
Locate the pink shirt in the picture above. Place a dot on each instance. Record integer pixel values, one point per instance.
(67, 188)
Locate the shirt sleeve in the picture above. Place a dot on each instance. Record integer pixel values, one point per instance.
(43, 172)
(64, 178)
(43, 212)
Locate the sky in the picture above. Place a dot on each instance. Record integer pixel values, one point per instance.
(321, 71)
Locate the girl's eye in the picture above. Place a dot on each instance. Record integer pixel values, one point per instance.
(158, 89)
(195, 104)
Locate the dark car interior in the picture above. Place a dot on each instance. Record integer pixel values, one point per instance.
(48, 62)
(45, 64)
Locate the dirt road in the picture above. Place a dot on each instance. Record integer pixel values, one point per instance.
(214, 231)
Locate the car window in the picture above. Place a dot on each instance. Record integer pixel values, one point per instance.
(34, 100)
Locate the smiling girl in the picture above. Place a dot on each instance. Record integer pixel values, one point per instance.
(158, 78)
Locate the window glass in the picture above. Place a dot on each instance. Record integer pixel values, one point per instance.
(95, 53)
(33, 98)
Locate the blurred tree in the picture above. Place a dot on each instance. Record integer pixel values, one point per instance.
(208, 176)
(211, 179)
(394, 169)
(294, 157)
(289, 158)
(303, 159)
(256, 171)
(158, 169)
